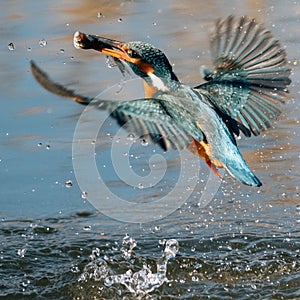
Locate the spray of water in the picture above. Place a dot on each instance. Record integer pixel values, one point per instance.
(141, 282)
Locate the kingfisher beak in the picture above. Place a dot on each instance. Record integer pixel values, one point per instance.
(107, 46)
(116, 49)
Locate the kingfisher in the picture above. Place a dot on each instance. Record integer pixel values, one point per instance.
(242, 93)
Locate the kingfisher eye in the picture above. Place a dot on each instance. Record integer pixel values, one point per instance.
(132, 53)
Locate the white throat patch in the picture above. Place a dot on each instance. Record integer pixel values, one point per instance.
(157, 82)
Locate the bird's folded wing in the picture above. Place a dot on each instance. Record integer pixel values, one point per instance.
(251, 73)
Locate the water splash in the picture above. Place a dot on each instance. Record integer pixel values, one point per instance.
(128, 245)
(11, 46)
(21, 252)
(68, 183)
(138, 283)
(170, 252)
(42, 43)
(144, 281)
(96, 269)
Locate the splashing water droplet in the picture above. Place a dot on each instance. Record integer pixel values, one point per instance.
(87, 228)
(11, 46)
(157, 228)
(172, 247)
(42, 43)
(109, 281)
(21, 252)
(130, 137)
(84, 195)
(144, 142)
(95, 253)
(68, 183)
(170, 251)
(74, 269)
(128, 244)
(25, 283)
(110, 62)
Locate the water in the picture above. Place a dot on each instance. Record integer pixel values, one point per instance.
(60, 259)
(54, 245)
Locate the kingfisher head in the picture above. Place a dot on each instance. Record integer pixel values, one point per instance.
(145, 60)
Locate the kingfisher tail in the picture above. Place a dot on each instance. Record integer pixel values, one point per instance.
(239, 169)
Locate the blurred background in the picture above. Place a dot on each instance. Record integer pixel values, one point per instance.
(245, 243)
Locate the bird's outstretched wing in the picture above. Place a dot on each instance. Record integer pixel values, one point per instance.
(43, 79)
(146, 118)
(250, 75)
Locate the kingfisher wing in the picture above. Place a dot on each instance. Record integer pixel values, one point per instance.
(251, 74)
(147, 118)
(152, 118)
(46, 82)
